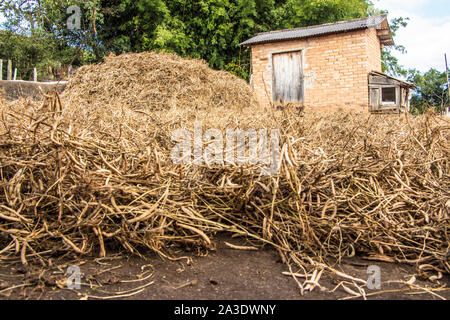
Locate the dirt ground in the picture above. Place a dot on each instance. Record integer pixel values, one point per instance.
(223, 274)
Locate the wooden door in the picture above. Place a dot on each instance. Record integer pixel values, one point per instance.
(374, 98)
(287, 84)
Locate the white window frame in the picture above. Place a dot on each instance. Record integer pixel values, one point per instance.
(394, 103)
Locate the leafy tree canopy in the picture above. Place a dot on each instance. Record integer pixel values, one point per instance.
(431, 90)
(207, 29)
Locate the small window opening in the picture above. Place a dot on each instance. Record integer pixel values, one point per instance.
(388, 95)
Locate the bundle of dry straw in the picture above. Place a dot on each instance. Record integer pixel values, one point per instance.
(349, 184)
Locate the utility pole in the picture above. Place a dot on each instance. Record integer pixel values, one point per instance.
(446, 71)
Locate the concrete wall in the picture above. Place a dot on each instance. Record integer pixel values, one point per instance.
(13, 90)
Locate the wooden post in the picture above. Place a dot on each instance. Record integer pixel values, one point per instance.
(9, 70)
(15, 74)
(70, 71)
(34, 75)
(1, 69)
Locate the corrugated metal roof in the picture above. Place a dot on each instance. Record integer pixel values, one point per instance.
(406, 83)
(298, 33)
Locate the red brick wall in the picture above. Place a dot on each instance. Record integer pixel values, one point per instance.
(373, 50)
(335, 66)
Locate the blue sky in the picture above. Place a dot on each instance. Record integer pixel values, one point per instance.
(427, 36)
(437, 8)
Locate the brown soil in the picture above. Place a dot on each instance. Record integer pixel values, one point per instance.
(221, 274)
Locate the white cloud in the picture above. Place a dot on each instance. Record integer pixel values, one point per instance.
(392, 5)
(426, 38)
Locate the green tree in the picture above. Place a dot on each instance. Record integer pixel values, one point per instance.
(28, 52)
(431, 90)
(207, 29)
(36, 35)
(390, 63)
(301, 13)
(22, 17)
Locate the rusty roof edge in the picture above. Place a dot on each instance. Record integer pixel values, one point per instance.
(294, 37)
(371, 22)
(409, 84)
(389, 42)
(326, 24)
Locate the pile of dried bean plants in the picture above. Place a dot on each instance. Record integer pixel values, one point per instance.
(93, 169)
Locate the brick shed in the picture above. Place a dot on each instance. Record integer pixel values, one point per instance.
(327, 66)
